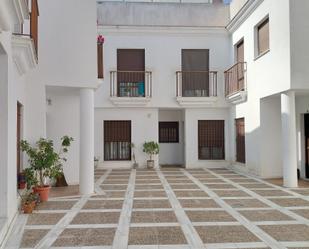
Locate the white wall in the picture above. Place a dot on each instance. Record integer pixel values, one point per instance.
(271, 165)
(172, 153)
(63, 119)
(299, 35)
(154, 13)
(266, 75)
(144, 123)
(67, 43)
(163, 57)
(269, 74)
(191, 136)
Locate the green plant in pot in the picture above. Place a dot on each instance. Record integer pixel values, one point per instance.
(44, 163)
(151, 149)
(28, 202)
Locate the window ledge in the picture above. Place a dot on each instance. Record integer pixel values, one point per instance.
(130, 101)
(261, 55)
(237, 97)
(196, 101)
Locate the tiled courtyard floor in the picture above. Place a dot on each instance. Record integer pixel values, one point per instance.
(170, 208)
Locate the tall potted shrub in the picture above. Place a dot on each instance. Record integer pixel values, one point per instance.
(44, 163)
(151, 149)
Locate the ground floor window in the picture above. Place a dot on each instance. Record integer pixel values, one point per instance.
(240, 140)
(168, 132)
(117, 140)
(211, 140)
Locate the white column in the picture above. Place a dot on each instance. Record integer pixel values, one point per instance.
(289, 142)
(86, 172)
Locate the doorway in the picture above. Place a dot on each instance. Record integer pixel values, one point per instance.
(240, 140)
(306, 118)
(19, 137)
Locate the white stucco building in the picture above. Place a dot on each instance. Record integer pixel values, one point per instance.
(215, 84)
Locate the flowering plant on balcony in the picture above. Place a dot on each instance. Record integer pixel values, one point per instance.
(100, 39)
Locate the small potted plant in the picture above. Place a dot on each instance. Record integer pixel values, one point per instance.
(135, 164)
(151, 149)
(44, 163)
(28, 202)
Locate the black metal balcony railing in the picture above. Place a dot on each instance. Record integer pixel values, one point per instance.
(235, 78)
(196, 83)
(131, 84)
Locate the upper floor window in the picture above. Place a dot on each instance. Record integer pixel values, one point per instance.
(262, 32)
(240, 53)
(131, 72)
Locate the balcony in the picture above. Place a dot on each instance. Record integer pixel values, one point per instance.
(196, 88)
(235, 83)
(130, 88)
(25, 46)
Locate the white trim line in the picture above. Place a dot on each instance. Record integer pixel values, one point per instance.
(243, 14)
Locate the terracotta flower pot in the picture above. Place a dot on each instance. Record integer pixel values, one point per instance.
(43, 192)
(21, 185)
(28, 208)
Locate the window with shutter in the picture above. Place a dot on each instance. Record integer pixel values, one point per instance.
(211, 140)
(168, 132)
(117, 140)
(263, 37)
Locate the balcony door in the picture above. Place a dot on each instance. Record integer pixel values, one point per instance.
(195, 72)
(131, 72)
(307, 144)
(240, 140)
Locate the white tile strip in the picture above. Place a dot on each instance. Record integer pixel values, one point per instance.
(189, 231)
(122, 233)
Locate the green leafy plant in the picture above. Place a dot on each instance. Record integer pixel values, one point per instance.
(43, 160)
(151, 149)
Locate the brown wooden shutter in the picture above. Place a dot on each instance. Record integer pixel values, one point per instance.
(100, 61)
(117, 131)
(131, 60)
(263, 36)
(240, 140)
(211, 139)
(168, 132)
(240, 51)
(34, 23)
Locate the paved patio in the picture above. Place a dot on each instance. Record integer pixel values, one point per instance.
(170, 208)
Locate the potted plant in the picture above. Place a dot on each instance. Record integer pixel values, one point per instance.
(151, 149)
(135, 164)
(44, 163)
(28, 202)
(57, 173)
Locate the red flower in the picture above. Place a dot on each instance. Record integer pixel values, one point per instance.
(100, 39)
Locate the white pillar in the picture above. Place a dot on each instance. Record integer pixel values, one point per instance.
(289, 142)
(86, 172)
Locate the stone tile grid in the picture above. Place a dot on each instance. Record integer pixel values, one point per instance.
(259, 233)
(164, 180)
(263, 199)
